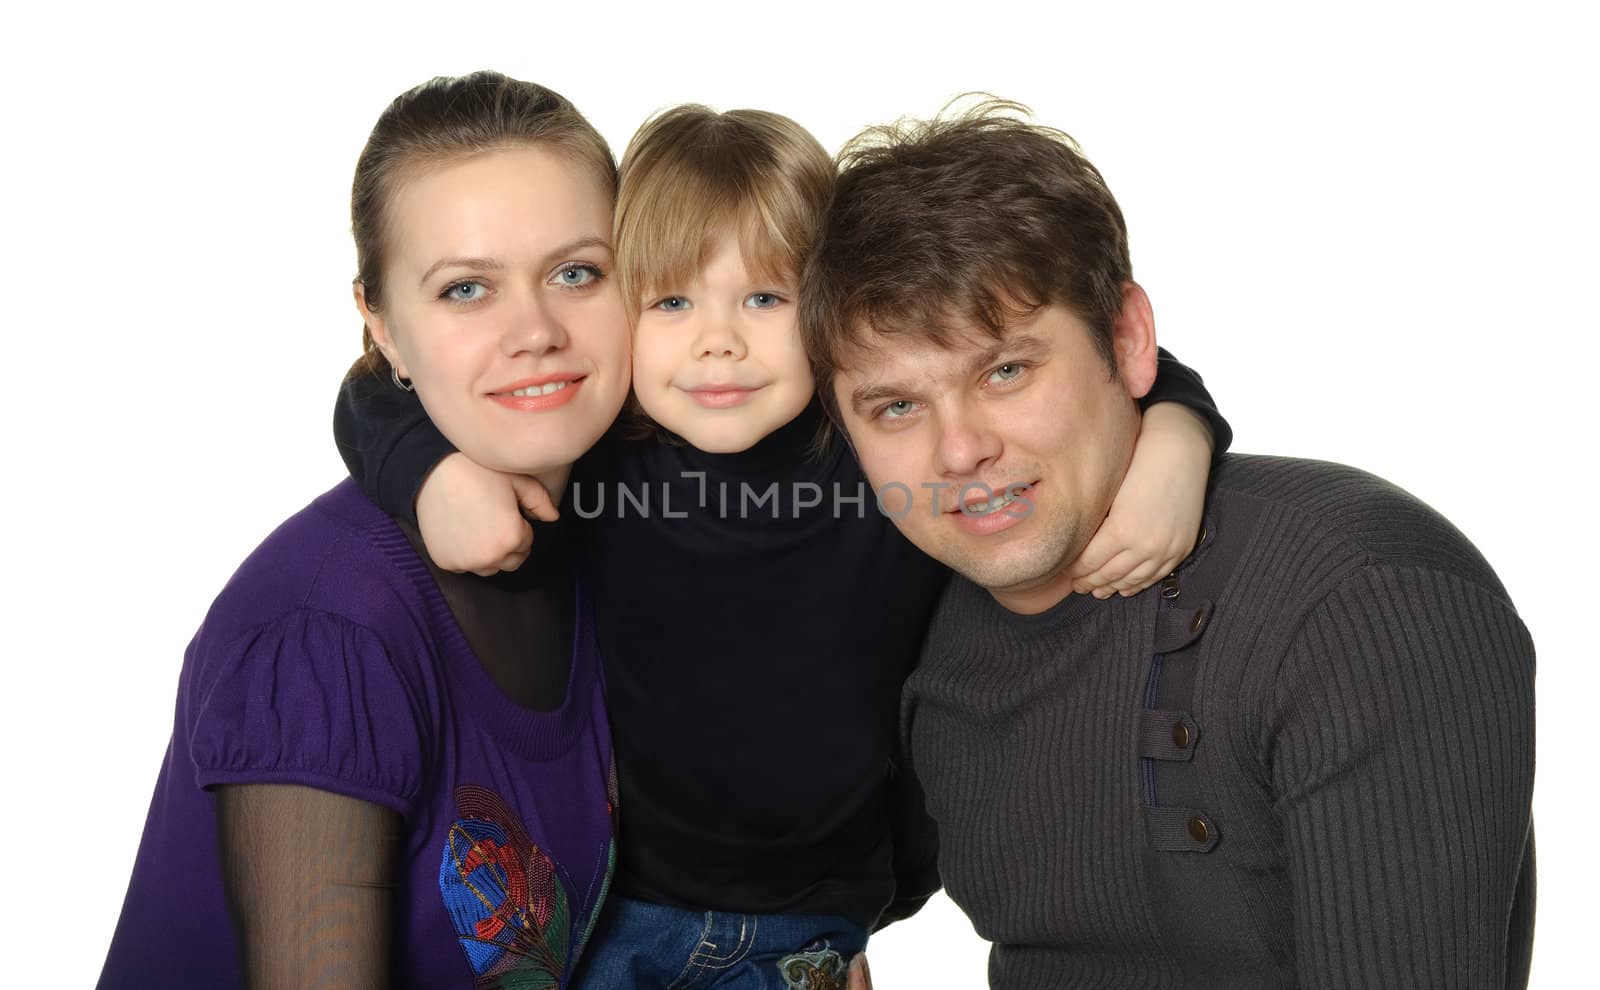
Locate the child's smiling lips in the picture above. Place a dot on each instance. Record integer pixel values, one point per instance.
(721, 395)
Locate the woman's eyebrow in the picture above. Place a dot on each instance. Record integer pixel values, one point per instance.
(476, 264)
(495, 264)
(579, 243)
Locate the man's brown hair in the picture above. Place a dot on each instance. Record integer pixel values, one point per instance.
(974, 218)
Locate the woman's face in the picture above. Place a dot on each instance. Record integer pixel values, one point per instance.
(498, 305)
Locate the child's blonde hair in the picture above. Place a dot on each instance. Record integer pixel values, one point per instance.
(692, 175)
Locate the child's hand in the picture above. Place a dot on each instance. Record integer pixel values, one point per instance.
(1155, 517)
(471, 517)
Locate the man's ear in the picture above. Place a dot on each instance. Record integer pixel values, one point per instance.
(1133, 338)
(378, 327)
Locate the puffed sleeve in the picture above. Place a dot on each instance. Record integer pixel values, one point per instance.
(311, 698)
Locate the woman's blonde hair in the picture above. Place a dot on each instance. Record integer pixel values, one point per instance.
(692, 175)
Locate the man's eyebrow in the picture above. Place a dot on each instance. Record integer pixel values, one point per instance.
(1019, 346)
(866, 396)
(1023, 346)
(494, 264)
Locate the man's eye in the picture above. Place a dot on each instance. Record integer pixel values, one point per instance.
(763, 300)
(899, 409)
(1006, 373)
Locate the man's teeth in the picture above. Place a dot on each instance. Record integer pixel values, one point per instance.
(983, 508)
(544, 389)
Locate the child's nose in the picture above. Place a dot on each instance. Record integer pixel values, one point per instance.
(718, 337)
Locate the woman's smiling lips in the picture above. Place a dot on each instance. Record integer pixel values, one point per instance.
(721, 396)
(537, 394)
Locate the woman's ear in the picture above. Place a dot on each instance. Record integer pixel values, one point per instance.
(378, 327)
(1133, 338)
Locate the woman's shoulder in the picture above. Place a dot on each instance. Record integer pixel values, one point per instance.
(321, 617)
(340, 555)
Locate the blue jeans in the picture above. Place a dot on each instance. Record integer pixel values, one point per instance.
(654, 947)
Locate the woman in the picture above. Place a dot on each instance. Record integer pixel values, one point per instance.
(381, 774)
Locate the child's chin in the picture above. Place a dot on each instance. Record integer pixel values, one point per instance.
(721, 441)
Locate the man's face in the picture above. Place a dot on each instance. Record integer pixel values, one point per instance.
(964, 426)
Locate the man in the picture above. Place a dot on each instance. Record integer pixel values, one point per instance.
(1310, 760)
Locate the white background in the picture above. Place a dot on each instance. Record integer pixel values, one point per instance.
(1373, 230)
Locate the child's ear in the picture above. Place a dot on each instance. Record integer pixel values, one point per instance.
(1133, 338)
(378, 327)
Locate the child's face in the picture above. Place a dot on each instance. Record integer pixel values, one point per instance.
(719, 361)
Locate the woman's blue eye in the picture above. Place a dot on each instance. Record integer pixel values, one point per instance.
(1006, 373)
(577, 276)
(673, 304)
(464, 291)
(763, 300)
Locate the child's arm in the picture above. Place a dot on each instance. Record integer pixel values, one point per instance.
(916, 846)
(1155, 518)
(387, 441)
(470, 517)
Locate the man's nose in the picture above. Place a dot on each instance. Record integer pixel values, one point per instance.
(967, 443)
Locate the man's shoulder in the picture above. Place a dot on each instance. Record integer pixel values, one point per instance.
(1345, 511)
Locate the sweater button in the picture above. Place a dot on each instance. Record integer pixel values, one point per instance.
(1198, 621)
(1199, 831)
(1180, 738)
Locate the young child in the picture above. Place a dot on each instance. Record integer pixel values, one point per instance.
(757, 613)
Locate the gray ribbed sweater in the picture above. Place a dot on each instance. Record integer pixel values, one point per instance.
(1304, 760)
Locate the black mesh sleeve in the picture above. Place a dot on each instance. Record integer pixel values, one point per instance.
(310, 880)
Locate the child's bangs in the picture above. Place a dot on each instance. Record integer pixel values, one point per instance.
(668, 239)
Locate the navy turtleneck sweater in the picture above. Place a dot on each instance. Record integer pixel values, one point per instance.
(757, 616)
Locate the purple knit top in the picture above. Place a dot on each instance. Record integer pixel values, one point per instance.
(331, 660)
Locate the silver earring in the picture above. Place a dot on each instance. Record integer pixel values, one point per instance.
(400, 383)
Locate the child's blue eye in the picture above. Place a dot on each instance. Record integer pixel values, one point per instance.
(468, 291)
(576, 276)
(672, 304)
(763, 300)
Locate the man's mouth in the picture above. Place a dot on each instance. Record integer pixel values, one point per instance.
(1008, 495)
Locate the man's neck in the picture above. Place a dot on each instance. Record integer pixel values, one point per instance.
(1041, 597)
